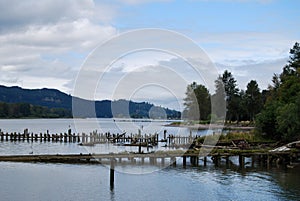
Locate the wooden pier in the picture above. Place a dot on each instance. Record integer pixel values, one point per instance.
(85, 139)
(94, 137)
(153, 158)
(161, 159)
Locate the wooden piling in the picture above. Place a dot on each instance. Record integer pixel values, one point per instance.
(227, 160)
(204, 161)
(241, 161)
(268, 161)
(112, 173)
(173, 160)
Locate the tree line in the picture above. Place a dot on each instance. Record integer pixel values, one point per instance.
(240, 105)
(274, 111)
(26, 110)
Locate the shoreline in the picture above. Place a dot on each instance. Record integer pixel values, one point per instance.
(211, 126)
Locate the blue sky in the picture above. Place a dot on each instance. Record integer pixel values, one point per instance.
(46, 46)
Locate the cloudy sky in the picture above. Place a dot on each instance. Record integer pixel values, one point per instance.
(45, 43)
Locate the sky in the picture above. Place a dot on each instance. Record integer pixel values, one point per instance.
(46, 44)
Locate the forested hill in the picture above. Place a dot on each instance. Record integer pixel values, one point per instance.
(15, 99)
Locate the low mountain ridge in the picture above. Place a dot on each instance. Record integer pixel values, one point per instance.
(53, 98)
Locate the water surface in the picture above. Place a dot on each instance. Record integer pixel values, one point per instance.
(40, 181)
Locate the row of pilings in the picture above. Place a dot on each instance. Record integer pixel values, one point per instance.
(96, 137)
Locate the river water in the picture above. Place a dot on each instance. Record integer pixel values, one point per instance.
(40, 181)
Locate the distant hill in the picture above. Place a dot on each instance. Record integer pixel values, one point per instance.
(53, 98)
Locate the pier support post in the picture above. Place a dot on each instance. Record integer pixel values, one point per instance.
(216, 160)
(192, 160)
(227, 160)
(204, 161)
(184, 161)
(173, 160)
(252, 161)
(241, 161)
(112, 173)
(140, 148)
(268, 161)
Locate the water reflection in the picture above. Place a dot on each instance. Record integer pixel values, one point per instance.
(91, 182)
(39, 181)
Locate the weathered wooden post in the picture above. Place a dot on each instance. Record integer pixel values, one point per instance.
(252, 161)
(140, 148)
(268, 161)
(204, 161)
(60, 137)
(192, 160)
(74, 137)
(65, 137)
(227, 160)
(70, 137)
(241, 161)
(15, 136)
(216, 160)
(112, 173)
(27, 134)
(184, 161)
(83, 137)
(173, 159)
(78, 138)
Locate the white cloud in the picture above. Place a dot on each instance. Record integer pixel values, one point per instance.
(35, 36)
(262, 72)
(43, 44)
(240, 48)
(19, 14)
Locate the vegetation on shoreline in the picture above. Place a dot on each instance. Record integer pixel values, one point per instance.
(275, 112)
(250, 136)
(25, 110)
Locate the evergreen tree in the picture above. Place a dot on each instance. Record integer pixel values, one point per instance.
(253, 99)
(232, 97)
(197, 102)
(281, 114)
